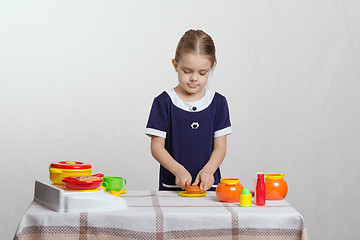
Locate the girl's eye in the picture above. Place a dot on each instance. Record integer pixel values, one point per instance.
(186, 72)
(203, 73)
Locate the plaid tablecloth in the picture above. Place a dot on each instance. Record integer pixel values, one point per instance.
(166, 215)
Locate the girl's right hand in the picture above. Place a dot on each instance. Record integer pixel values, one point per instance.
(183, 179)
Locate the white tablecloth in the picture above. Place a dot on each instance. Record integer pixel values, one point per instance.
(166, 215)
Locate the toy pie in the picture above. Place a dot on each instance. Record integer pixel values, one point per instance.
(84, 178)
(193, 190)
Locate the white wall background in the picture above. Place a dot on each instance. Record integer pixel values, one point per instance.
(77, 79)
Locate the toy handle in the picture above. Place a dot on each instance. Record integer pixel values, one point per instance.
(98, 175)
(125, 182)
(56, 170)
(104, 184)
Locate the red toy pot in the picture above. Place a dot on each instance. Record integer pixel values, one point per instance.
(83, 185)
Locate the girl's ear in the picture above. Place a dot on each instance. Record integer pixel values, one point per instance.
(174, 64)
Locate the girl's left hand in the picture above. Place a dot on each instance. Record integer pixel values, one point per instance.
(206, 180)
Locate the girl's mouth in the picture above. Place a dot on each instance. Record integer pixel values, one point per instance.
(192, 85)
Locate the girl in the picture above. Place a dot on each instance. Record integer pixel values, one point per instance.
(188, 125)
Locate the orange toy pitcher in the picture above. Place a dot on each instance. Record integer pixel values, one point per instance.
(276, 186)
(229, 190)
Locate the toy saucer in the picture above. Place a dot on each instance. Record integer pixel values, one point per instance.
(184, 194)
(123, 191)
(118, 193)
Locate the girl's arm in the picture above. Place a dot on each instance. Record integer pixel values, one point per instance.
(182, 176)
(206, 174)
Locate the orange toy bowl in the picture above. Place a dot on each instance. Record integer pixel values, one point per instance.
(229, 190)
(276, 186)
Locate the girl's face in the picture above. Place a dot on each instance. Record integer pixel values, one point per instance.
(193, 72)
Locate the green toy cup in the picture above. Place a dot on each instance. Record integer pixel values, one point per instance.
(113, 183)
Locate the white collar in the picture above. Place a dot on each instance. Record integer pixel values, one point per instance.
(195, 106)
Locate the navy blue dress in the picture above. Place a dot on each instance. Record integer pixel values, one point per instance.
(189, 130)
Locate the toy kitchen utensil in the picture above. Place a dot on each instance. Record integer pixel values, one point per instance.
(60, 170)
(260, 190)
(276, 186)
(83, 185)
(229, 190)
(113, 183)
(245, 198)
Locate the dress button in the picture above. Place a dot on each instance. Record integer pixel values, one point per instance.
(194, 109)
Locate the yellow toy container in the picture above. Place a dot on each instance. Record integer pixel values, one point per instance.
(245, 198)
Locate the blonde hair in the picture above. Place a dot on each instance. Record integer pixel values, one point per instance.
(196, 41)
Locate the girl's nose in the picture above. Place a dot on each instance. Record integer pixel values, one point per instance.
(194, 77)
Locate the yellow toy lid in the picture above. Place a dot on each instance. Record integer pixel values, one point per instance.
(274, 176)
(230, 181)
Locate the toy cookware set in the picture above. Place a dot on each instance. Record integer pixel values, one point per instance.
(60, 170)
(74, 189)
(271, 186)
(62, 173)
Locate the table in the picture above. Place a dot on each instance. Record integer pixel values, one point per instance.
(166, 215)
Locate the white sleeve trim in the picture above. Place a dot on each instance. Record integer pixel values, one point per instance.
(222, 132)
(170, 186)
(154, 132)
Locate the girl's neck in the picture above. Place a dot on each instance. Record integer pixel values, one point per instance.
(189, 97)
